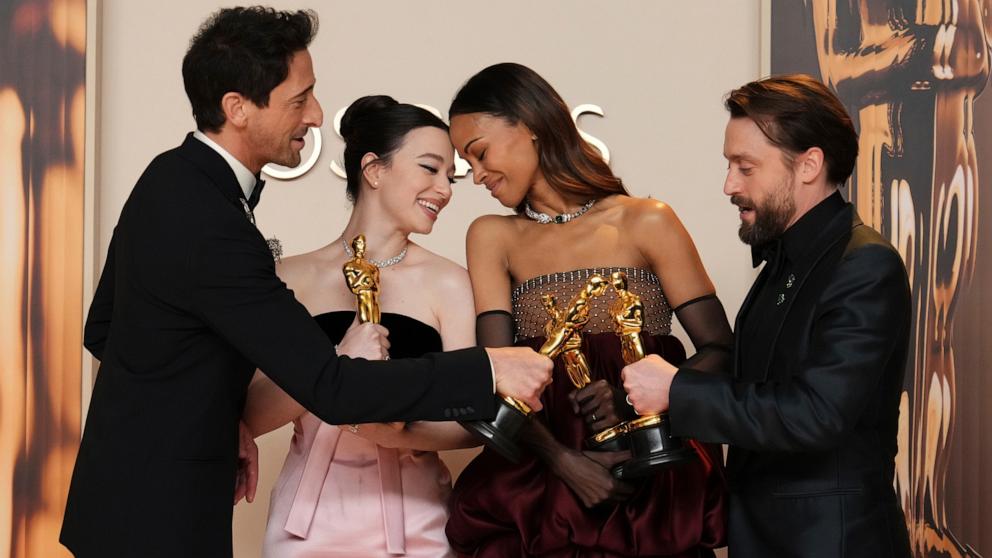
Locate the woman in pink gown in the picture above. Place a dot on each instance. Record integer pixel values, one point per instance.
(374, 489)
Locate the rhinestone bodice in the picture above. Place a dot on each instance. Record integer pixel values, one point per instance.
(529, 315)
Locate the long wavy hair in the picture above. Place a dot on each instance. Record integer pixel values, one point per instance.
(519, 95)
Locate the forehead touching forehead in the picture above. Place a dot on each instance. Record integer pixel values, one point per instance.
(466, 129)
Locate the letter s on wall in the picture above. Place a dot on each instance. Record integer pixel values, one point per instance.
(591, 139)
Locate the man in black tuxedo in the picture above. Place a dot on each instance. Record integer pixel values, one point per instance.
(811, 408)
(189, 305)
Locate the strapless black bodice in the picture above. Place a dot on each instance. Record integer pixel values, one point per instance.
(408, 337)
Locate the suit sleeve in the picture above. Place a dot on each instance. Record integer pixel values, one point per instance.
(857, 330)
(237, 293)
(98, 319)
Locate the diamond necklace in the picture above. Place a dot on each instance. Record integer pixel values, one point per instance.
(544, 218)
(378, 263)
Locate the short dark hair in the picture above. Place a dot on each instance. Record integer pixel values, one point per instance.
(378, 124)
(518, 94)
(797, 112)
(242, 50)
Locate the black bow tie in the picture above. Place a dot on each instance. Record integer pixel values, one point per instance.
(256, 194)
(770, 252)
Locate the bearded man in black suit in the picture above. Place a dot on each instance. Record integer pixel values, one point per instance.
(811, 407)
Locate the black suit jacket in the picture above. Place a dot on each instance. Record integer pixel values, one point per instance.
(812, 434)
(187, 307)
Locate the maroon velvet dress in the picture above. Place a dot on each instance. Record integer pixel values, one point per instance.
(501, 509)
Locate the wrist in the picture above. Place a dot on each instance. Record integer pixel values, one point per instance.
(555, 461)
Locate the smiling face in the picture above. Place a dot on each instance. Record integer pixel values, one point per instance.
(415, 185)
(502, 155)
(760, 182)
(274, 133)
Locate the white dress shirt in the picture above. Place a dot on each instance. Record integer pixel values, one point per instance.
(245, 177)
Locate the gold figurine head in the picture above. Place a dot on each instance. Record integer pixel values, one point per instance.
(619, 280)
(596, 285)
(358, 246)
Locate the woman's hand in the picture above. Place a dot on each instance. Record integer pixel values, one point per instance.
(601, 405)
(246, 480)
(588, 474)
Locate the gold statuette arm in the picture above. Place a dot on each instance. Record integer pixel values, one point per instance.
(573, 318)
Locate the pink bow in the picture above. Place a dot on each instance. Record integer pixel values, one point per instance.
(318, 463)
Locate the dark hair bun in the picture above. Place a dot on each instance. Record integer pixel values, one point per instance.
(377, 124)
(361, 109)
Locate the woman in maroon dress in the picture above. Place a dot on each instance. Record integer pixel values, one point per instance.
(575, 218)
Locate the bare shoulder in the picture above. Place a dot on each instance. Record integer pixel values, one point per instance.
(444, 272)
(649, 213)
(490, 234)
(489, 225)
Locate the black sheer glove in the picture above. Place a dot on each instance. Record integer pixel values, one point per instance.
(494, 329)
(706, 323)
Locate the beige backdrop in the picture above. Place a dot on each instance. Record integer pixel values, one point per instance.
(658, 69)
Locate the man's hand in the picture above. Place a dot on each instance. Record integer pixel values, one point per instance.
(368, 341)
(521, 373)
(647, 382)
(247, 477)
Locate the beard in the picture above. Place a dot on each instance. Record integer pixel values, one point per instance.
(771, 216)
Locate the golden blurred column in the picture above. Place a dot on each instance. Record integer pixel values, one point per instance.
(42, 115)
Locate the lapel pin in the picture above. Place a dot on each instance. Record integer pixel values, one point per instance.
(248, 212)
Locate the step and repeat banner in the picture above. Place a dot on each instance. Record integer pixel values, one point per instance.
(42, 106)
(912, 74)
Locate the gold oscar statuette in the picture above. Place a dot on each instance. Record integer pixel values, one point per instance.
(652, 446)
(362, 277)
(575, 361)
(563, 337)
(562, 330)
(569, 321)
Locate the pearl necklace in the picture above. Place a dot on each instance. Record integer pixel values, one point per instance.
(378, 263)
(544, 218)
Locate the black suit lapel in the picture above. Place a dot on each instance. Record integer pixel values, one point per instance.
(745, 308)
(838, 230)
(217, 170)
